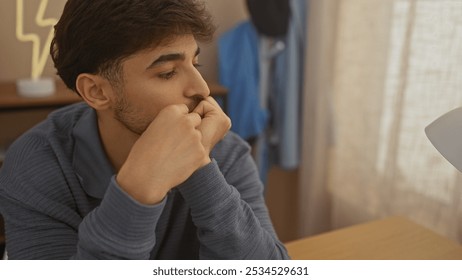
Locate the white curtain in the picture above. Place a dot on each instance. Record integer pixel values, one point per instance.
(392, 67)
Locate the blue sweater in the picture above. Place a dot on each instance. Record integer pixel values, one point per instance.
(60, 200)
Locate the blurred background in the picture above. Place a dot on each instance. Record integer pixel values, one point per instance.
(344, 90)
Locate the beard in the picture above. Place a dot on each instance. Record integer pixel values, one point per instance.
(131, 117)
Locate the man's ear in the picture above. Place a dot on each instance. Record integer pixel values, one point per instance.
(95, 90)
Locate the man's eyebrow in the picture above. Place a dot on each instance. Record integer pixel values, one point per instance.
(171, 57)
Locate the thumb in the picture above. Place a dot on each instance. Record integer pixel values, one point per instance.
(204, 108)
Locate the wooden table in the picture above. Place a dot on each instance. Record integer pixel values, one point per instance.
(394, 238)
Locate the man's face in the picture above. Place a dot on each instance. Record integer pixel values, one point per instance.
(156, 78)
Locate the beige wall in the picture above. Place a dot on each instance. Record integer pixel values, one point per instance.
(227, 14)
(15, 56)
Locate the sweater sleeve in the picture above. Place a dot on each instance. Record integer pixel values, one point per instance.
(49, 216)
(40, 227)
(230, 213)
(120, 228)
(43, 219)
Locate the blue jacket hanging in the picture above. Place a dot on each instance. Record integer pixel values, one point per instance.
(239, 72)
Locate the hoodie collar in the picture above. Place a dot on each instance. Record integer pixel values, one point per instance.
(90, 161)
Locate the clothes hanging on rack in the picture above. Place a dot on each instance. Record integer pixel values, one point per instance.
(270, 17)
(264, 77)
(239, 72)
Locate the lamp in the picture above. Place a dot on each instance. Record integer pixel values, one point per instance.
(35, 86)
(445, 133)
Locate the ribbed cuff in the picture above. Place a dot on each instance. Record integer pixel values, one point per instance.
(122, 226)
(206, 188)
(127, 214)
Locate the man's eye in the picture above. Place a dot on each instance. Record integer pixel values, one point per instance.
(197, 65)
(168, 75)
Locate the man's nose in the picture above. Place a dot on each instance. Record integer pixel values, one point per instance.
(197, 86)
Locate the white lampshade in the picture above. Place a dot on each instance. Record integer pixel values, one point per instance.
(445, 133)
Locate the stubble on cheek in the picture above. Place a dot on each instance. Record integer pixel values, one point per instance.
(130, 117)
(136, 121)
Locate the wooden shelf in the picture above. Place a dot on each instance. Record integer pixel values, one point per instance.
(10, 99)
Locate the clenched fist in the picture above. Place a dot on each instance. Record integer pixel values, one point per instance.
(215, 123)
(174, 145)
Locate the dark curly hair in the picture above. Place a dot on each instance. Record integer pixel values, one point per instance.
(94, 36)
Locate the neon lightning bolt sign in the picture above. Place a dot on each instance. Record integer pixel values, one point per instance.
(39, 59)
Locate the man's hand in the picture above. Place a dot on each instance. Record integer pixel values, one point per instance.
(168, 152)
(215, 123)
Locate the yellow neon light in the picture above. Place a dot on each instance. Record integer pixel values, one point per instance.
(39, 59)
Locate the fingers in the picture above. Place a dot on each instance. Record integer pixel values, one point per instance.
(178, 108)
(226, 119)
(207, 106)
(213, 102)
(203, 108)
(195, 118)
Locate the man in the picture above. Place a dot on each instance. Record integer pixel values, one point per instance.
(145, 168)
